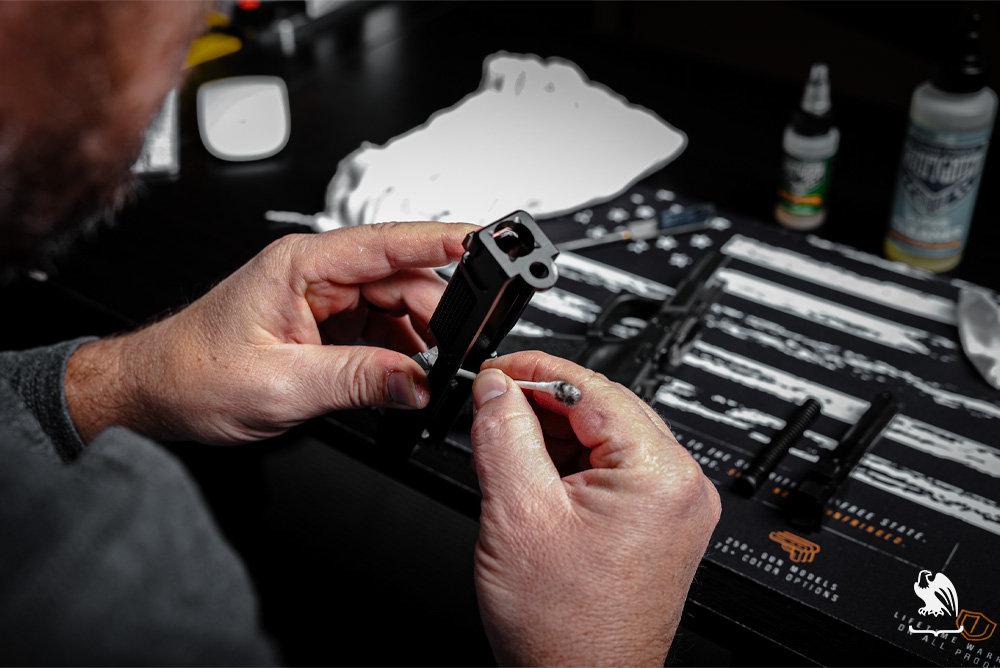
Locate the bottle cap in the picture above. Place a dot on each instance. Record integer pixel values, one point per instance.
(961, 69)
(814, 116)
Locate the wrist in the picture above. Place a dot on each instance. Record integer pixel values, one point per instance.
(107, 385)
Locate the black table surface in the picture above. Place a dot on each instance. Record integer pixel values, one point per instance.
(337, 548)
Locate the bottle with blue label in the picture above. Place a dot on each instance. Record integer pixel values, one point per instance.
(951, 118)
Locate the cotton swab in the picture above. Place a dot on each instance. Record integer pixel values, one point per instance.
(565, 393)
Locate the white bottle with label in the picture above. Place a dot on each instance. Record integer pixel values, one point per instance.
(810, 143)
(951, 119)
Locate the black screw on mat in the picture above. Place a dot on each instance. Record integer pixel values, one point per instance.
(765, 461)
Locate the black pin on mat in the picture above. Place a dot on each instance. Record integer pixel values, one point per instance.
(756, 474)
(808, 501)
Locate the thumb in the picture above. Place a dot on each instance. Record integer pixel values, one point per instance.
(363, 376)
(508, 448)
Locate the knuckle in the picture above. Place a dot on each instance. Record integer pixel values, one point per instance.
(689, 493)
(680, 480)
(686, 478)
(272, 400)
(283, 246)
(714, 501)
(360, 384)
(387, 229)
(282, 252)
(385, 234)
(487, 427)
(601, 380)
(497, 422)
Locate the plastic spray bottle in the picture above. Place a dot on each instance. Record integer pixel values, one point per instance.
(810, 143)
(951, 118)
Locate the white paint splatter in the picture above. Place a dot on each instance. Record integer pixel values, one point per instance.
(675, 402)
(841, 279)
(666, 243)
(929, 492)
(566, 304)
(644, 211)
(680, 260)
(524, 328)
(584, 270)
(700, 241)
(824, 312)
(618, 215)
(903, 429)
(874, 260)
(943, 444)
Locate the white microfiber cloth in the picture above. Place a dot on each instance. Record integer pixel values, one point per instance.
(979, 330)
(537, 135)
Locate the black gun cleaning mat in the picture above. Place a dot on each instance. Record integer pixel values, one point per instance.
(801, 317)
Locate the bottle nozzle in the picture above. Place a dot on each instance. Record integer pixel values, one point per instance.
(816, 97)
(961, 68)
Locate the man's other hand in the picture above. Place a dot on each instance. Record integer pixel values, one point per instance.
(593, 519)
(248, 360)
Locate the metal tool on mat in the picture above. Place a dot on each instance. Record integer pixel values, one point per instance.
(689, 219)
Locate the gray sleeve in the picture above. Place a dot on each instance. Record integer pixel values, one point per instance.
(113, 560)
(38, 376)
(108, 557)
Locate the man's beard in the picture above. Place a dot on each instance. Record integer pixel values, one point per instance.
(73, 114)
(45, 253)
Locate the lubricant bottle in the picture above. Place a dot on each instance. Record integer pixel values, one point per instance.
(951, 118)
(810, 144)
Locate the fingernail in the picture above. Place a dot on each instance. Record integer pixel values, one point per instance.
(403, 390)
(489, 384)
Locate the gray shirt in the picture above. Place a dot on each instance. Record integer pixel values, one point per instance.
(108, 554)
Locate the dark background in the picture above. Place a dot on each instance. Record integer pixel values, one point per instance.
(338, 550)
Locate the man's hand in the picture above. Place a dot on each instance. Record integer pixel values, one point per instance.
(247, 360)
(593, 519)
